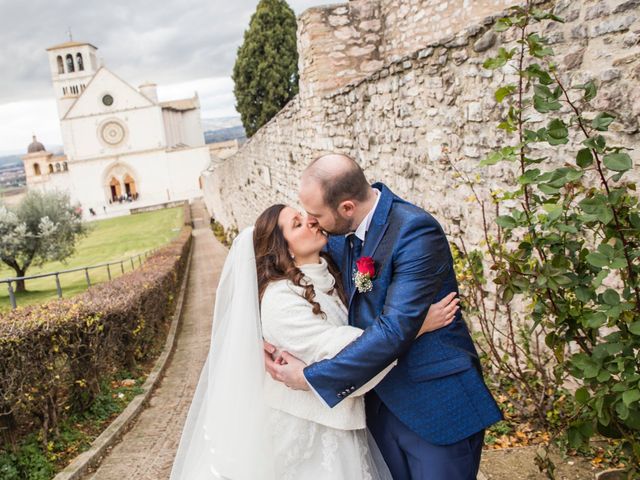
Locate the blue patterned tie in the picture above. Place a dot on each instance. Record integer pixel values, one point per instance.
(356, 250)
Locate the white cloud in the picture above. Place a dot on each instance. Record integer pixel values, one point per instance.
(20, 120)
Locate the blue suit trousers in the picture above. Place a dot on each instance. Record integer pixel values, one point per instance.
(409, 457)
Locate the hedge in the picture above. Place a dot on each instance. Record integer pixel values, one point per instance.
(53, 355)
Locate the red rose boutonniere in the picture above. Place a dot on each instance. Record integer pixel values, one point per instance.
(365, 271)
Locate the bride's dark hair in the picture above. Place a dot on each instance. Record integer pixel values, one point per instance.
(273, 261)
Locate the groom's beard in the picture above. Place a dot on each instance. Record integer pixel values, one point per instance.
(341, 226)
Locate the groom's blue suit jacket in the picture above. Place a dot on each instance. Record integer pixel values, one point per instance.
(436, 389)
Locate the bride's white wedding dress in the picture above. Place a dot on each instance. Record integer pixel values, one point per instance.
(242, 425)
(311, 440)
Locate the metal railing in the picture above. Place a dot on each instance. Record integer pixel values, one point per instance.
(12, 293)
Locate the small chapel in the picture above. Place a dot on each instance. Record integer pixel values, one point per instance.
(123, 148)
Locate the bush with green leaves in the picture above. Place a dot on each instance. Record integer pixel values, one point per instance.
(566, 241)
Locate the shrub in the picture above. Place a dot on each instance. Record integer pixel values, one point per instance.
(53, 355)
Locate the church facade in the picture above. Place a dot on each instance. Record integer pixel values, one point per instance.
(123, 148)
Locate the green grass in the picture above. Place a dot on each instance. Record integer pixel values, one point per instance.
(108, 240)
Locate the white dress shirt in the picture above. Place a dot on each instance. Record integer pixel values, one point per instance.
(362, 229)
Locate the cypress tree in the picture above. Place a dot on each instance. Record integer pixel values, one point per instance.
(265, 74)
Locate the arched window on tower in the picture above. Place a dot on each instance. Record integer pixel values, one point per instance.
(60, 65)
(36, 169)
(65, 167)
(70, 67)
(79, 62)
(50, 168)
(57, 167)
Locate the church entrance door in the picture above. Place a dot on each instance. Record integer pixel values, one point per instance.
(130, 186)
(116, 190)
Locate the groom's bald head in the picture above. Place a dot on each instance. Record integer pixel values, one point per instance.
(339, 177)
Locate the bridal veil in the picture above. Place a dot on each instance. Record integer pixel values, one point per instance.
(225, 435)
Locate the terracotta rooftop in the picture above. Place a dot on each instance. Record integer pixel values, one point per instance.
(70, 44)
(180, 105)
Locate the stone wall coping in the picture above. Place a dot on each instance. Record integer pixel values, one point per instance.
(322, 8)
(450, 42)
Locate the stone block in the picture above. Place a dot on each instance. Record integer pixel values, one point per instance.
(459, 57)
(619, 24)
(629, 5)
(599, 10)
(370, 25)
(579, 32)
(344, 33)
(474, 112)
(358, 51)
(610, 74)
(485, 42)
(426, 52)
(471, 152)
(573, 60)
(338, 20)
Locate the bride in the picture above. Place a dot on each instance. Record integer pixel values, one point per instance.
(277, 284)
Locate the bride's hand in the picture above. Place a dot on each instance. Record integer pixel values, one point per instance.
(269, 362)
(440, 314)
(289, 370)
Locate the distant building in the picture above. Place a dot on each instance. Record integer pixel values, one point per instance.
(122, 147)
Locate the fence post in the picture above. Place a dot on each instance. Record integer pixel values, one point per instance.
(139, 260)
(132, 266)
(12, 296)
(109, 272)
(58, 288)
(122, 266)
(86, 274)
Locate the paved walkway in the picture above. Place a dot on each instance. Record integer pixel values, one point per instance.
(147, 451)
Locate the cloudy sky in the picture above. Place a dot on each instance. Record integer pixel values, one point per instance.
(183, 46)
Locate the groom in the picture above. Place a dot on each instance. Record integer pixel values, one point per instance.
(429, 413)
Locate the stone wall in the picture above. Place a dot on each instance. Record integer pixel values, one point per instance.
(409, 25)
(345, 42)
(343, 39)
(408, 121)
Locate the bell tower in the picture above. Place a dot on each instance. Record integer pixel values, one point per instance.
(72, 65)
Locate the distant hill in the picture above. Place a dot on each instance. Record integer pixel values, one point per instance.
(221, 129)
(219, 123)
(224, 134)
(10, 161)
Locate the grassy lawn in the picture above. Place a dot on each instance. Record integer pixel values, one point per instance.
(108, 240)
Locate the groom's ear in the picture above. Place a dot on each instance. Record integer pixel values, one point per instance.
(346, 208)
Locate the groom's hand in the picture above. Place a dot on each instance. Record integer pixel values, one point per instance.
(289, 370)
